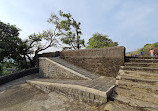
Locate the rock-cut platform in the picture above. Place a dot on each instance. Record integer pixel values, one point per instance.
(70, 80)
(94, 92)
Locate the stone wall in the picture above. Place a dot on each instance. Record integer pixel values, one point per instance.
(102, 61)
(16, 75)
(49, 54)
(51, 69)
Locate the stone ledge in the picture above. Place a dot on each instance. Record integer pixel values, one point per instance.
(13, 76)
(137, 103)
(81, 93)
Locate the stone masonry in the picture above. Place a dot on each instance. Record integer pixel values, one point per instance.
(50, 69)
(102, 61)
(81, 74)
(137, 86)
(73, 81)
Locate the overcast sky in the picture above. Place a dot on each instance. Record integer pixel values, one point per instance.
(131, 23)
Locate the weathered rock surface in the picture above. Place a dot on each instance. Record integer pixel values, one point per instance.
(137, 86)
(95, 92)
(19, 96)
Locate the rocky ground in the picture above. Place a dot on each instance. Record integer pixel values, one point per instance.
(19, 96)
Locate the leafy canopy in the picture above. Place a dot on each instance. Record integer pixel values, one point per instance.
(12, 47)
(146, 49)
(100, 41)
(69, 29)
(41, 41)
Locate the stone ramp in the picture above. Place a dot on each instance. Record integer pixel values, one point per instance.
(137, 85)
(70, 80)
(94, 92)
(17, 95)
(57, 68)
(75, 68)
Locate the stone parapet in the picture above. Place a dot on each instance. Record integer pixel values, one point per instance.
(99, 61)
(110, 52)
(102, 61)
(16, 75)
(51, 69)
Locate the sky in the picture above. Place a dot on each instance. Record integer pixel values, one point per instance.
(131, 23)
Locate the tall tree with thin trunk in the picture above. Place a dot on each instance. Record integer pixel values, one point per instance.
(69, 29)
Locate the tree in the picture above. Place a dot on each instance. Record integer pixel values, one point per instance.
(69, 29)
(35, 44)
(146, 49)
(20, 51)
(100, 41)
(8, 37)
(12, 47)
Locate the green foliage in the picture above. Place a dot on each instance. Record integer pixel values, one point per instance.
(21, 51)
(8, 39)
(49, 37)
(146, 49)
(69, 29)
(7, 67)
(100, 41)
(12, 47)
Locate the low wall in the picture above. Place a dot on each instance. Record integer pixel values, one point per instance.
(16, 75)
(102, 61)
(51, 69)
(110, 52)
(50, 54)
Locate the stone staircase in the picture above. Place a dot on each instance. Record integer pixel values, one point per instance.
(137, 86)
(70, 80)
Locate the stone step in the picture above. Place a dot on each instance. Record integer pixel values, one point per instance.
(75, 89)
(142, 105)
(142, 60)
(144, 87)
(138, 95)
(116, 106)
(141, 57)
(136, 79)
(145, 75)
(74, 68)
(145, 69)
(136, 64)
